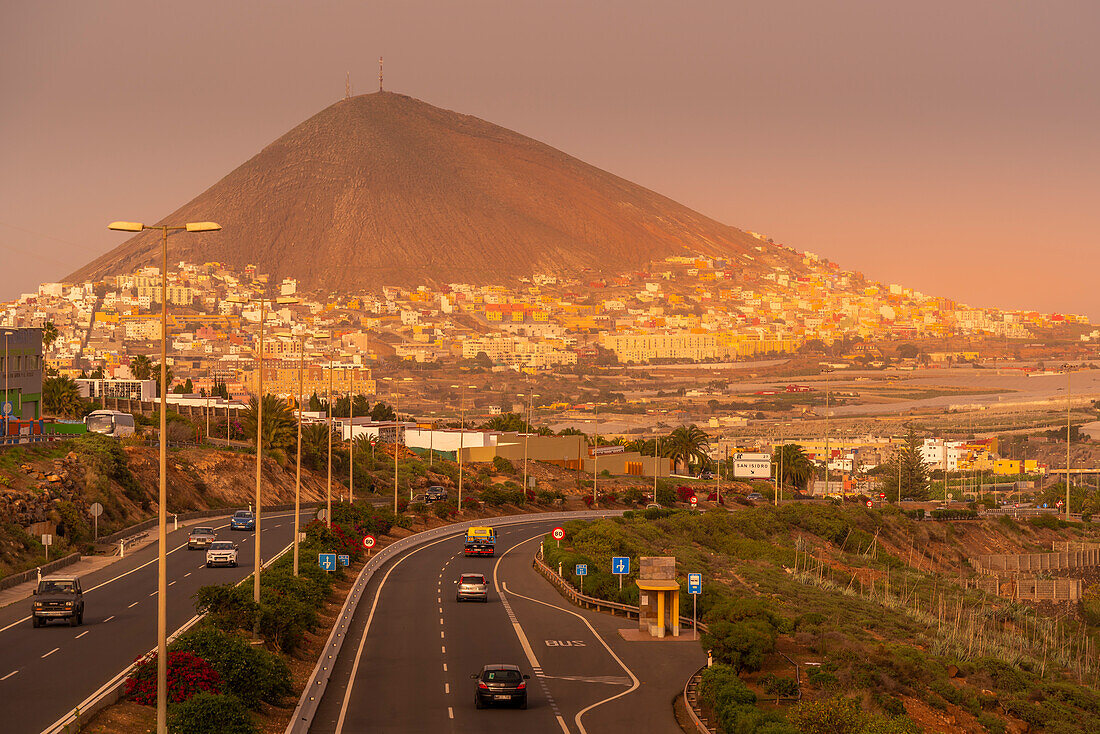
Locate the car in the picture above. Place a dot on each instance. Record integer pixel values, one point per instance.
(653, 506)
(908, 499)
(705, 474)
(754, 496)
(200, 538)
(58, 597)
(242, 520)
(472, 586)
(500, 684)
(435, 494)
(222, 553)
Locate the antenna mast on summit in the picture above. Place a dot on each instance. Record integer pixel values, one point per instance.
(379, 73)
(347, 86)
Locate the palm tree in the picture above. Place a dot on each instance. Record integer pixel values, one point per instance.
(60, 396)
(797, 467)
(141, 367)
(644, 446)
(314, 444)
(154, 373)
(280, 431)
(49, 334)
(687, 445)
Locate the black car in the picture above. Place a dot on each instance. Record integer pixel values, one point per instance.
(435, 494)
(58, 598)
(500, 684)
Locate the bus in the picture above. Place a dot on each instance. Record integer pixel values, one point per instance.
(110, 423)
(480, 541)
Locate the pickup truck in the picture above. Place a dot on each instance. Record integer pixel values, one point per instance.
(58, 597)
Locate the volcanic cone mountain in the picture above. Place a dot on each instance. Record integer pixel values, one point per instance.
(383, 189)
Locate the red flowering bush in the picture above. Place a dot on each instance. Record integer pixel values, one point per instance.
(588, 500)
(188, 674)
(470, 503)
(610, 497)
(684, 494)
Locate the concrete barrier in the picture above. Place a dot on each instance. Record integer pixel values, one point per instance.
(46, 568)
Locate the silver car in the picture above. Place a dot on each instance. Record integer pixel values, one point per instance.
(472, 586)
(201, 538)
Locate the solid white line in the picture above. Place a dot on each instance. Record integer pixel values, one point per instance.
(18, 621)
(366, 629)
(81, 634)
(561, 721)
(9, 675)
(515, 625)
(634, 678)
(51, 652)
(109, 618)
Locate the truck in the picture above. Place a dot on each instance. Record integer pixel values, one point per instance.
(480, 541)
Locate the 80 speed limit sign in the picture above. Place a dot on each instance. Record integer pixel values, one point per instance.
(368, 542)
(558, 533)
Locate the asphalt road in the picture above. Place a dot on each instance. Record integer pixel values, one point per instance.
(412, 665)
(46, 672)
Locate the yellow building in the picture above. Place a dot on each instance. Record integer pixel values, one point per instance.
(1006, 467)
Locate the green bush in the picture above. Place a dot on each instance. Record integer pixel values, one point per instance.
(208, 713)
(778, 686)
(503, 466)
(252, 674)
(845, 716)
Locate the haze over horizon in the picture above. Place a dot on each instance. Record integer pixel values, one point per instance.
(946, 148)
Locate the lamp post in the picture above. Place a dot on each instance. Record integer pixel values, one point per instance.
(351, 437)
(257, 557)
(527, 435)
(595, 452)
(396, 434)
(461, 438)
(328, 485)
(7, 369)
(162, 512)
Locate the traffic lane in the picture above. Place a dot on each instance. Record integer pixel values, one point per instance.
(483, 633)
(576, 668)
(120, 625)
(661, 667)
(410, 677)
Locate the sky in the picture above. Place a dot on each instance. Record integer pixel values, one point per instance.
(951, 147)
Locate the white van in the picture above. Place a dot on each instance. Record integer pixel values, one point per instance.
(110, 423)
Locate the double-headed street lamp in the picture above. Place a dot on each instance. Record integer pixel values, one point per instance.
(396, 430)
(162, 515)
(461, 437)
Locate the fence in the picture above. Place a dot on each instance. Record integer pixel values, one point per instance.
(1031, 562)
(1029, 589)
(46, 568)
(1067, 546)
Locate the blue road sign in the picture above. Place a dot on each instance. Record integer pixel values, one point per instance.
(582, 569)
(327, 561)
(7, 408)
(620, 565)
(695, 583)
(344, 560)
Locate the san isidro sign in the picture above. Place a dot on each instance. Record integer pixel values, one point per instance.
(752, 466)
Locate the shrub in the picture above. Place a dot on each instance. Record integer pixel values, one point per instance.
(550, 496)
(252, 674)
(503, 466)
(610, 497)
(418, 508)
(188, 675)
(207, 713)
(634, 496)
(741, 645)
(229, 607)
(666, 496)
(684, 494)
(779, 687)
(588, 500)
(444, 510)
(470, 503)
(845, 716)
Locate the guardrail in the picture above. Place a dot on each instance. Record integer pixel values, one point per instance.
(591, 602)
(111, 691)
(315, 687)
(691, 698)
(17, 578)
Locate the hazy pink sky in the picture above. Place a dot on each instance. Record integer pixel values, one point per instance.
(949, 146)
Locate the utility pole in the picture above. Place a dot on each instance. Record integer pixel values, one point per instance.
(595, 451)
(328, 491)
(827, 453)
(298, 468)
(351, 437)
(396, 438)
(1068, 404)
(379, 73)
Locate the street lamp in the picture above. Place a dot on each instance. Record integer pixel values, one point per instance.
(162, 512)
(260, 429)
(461, 438)
(526, 435)
(7, 394)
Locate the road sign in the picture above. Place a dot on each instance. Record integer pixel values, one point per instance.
(47, 539)
(327, 561)
(870, 503)
(882, 495)
(695, 583)
(558, 533)
(344, 560)
(694, 501)
(620, 565)
(1058, 503)
(368, 541)
(96, 509)
(752, 466)
(581, 570)
(321, 514)
(7, 408)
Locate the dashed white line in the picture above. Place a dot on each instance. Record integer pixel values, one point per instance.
(446, 687)
(109, 618)
(171, 582)
(51, 652)
(444, 667)
(81, 634)
(443, 649)
(9, 675)
(441, 634)
(133, 605)
(153, 594)
(450, 712)
(188, 574)
(441, 610)
(441, 620)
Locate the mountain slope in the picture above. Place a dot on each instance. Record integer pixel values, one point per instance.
(386, 189)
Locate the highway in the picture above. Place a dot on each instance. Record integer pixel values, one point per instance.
(46, 672)
(412, 648)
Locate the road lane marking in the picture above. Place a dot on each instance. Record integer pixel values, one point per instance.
(51, 652)
(446, 687)
(153, 594)
(441, 620)
(18, 621)
(171, 582)
(441, 634)
(634, 678)
(443, 649)
(450, 712)
(109, 618)
(444, 667)
(188, 574)
(133, 605)
(9, 675)
(81, 634)
(366, 628)
(441, 610)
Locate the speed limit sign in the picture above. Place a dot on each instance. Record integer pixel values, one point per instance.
(368, 541)
(558, 533)
(870, 503)
(694, 501)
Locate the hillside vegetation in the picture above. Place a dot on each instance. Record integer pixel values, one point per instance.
(870, 605)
